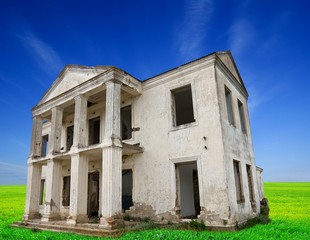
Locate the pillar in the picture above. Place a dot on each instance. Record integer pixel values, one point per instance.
(56, 127)
(36, 137)
(80, 122)
(78, 189)
(52, 190)
(111, 159)
(33, 191)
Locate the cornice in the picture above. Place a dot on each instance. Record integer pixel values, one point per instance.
(179, 72)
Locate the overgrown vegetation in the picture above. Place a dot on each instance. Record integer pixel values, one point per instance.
(289, 210)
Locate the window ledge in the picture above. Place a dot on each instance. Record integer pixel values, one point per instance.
(183, 126)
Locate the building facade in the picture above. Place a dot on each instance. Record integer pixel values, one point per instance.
(175, 146)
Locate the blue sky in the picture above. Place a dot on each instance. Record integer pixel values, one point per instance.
(268, 39)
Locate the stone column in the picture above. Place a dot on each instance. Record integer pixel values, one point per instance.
(36, 137)
(52, 191)
(55, 134)
(33, 191)
(111, 206)
(78, 189)
(80, 122)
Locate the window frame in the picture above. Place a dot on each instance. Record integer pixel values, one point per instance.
(242, 118)
(238, 185)
(171, 100)
(230, 108)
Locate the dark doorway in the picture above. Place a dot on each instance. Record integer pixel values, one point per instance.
(126, 128)
(93, 194)
(69, 137)
(188, 190)
(44, 147)
(94, 131)
(127, 189)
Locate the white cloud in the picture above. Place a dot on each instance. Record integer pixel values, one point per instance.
(44, 54)
(240, 36)
(259, 97)
(197, 15)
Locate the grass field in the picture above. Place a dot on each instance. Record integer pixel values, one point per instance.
(290, 214)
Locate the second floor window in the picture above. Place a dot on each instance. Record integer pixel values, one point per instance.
(94, 130)
(183, 111)
(229, 108)
(242, 117)
(126, 125)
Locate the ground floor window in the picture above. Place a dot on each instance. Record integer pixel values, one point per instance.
(238, 182)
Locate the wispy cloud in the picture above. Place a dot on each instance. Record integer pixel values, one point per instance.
(46, 57)
(12, 173)
(240, 36)
(197, 14)
(11, 83)
(259, 97)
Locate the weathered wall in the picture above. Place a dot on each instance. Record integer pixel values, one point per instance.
(237, 146)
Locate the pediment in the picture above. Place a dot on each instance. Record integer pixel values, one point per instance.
(70, 77)
(229, 62)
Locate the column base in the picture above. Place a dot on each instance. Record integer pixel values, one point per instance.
(111, 223)
(29, 216)
(50, 217)
(77, 219)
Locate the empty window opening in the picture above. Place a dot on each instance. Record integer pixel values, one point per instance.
(242, 117)
(250, 182)
(94, 131)
(127, 189)
(229, 108)
(188, 190)
(44, 148)
(93, 194)
(66, 191)
(42, 192)
(238, 182)
(69, 137)
(183, 106)
(126, 127)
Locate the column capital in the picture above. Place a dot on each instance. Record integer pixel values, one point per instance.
(81, 96)
(113, 81)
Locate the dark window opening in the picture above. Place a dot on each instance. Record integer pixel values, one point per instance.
(188, 190)
(66, 191)
(94, 131)
(93, 194)
(229, 108)
(42, 192)
(126, 128)
(238, 182)
(242, 117)
(250, 182)
(127, 189)
(69, 137)
(183, 106)
(44, 148)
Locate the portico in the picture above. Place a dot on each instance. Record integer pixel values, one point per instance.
(100, 97)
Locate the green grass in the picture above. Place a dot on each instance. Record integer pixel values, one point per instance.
(289, 211)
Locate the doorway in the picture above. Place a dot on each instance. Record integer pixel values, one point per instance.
(93, 194)
(127, 189)
(187, 190)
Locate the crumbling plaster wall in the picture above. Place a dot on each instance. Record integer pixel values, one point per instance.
(165, 145)
(237, 146)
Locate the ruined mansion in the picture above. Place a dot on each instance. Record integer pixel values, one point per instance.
(175, 146)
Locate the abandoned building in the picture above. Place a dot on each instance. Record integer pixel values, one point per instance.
(172, 147)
